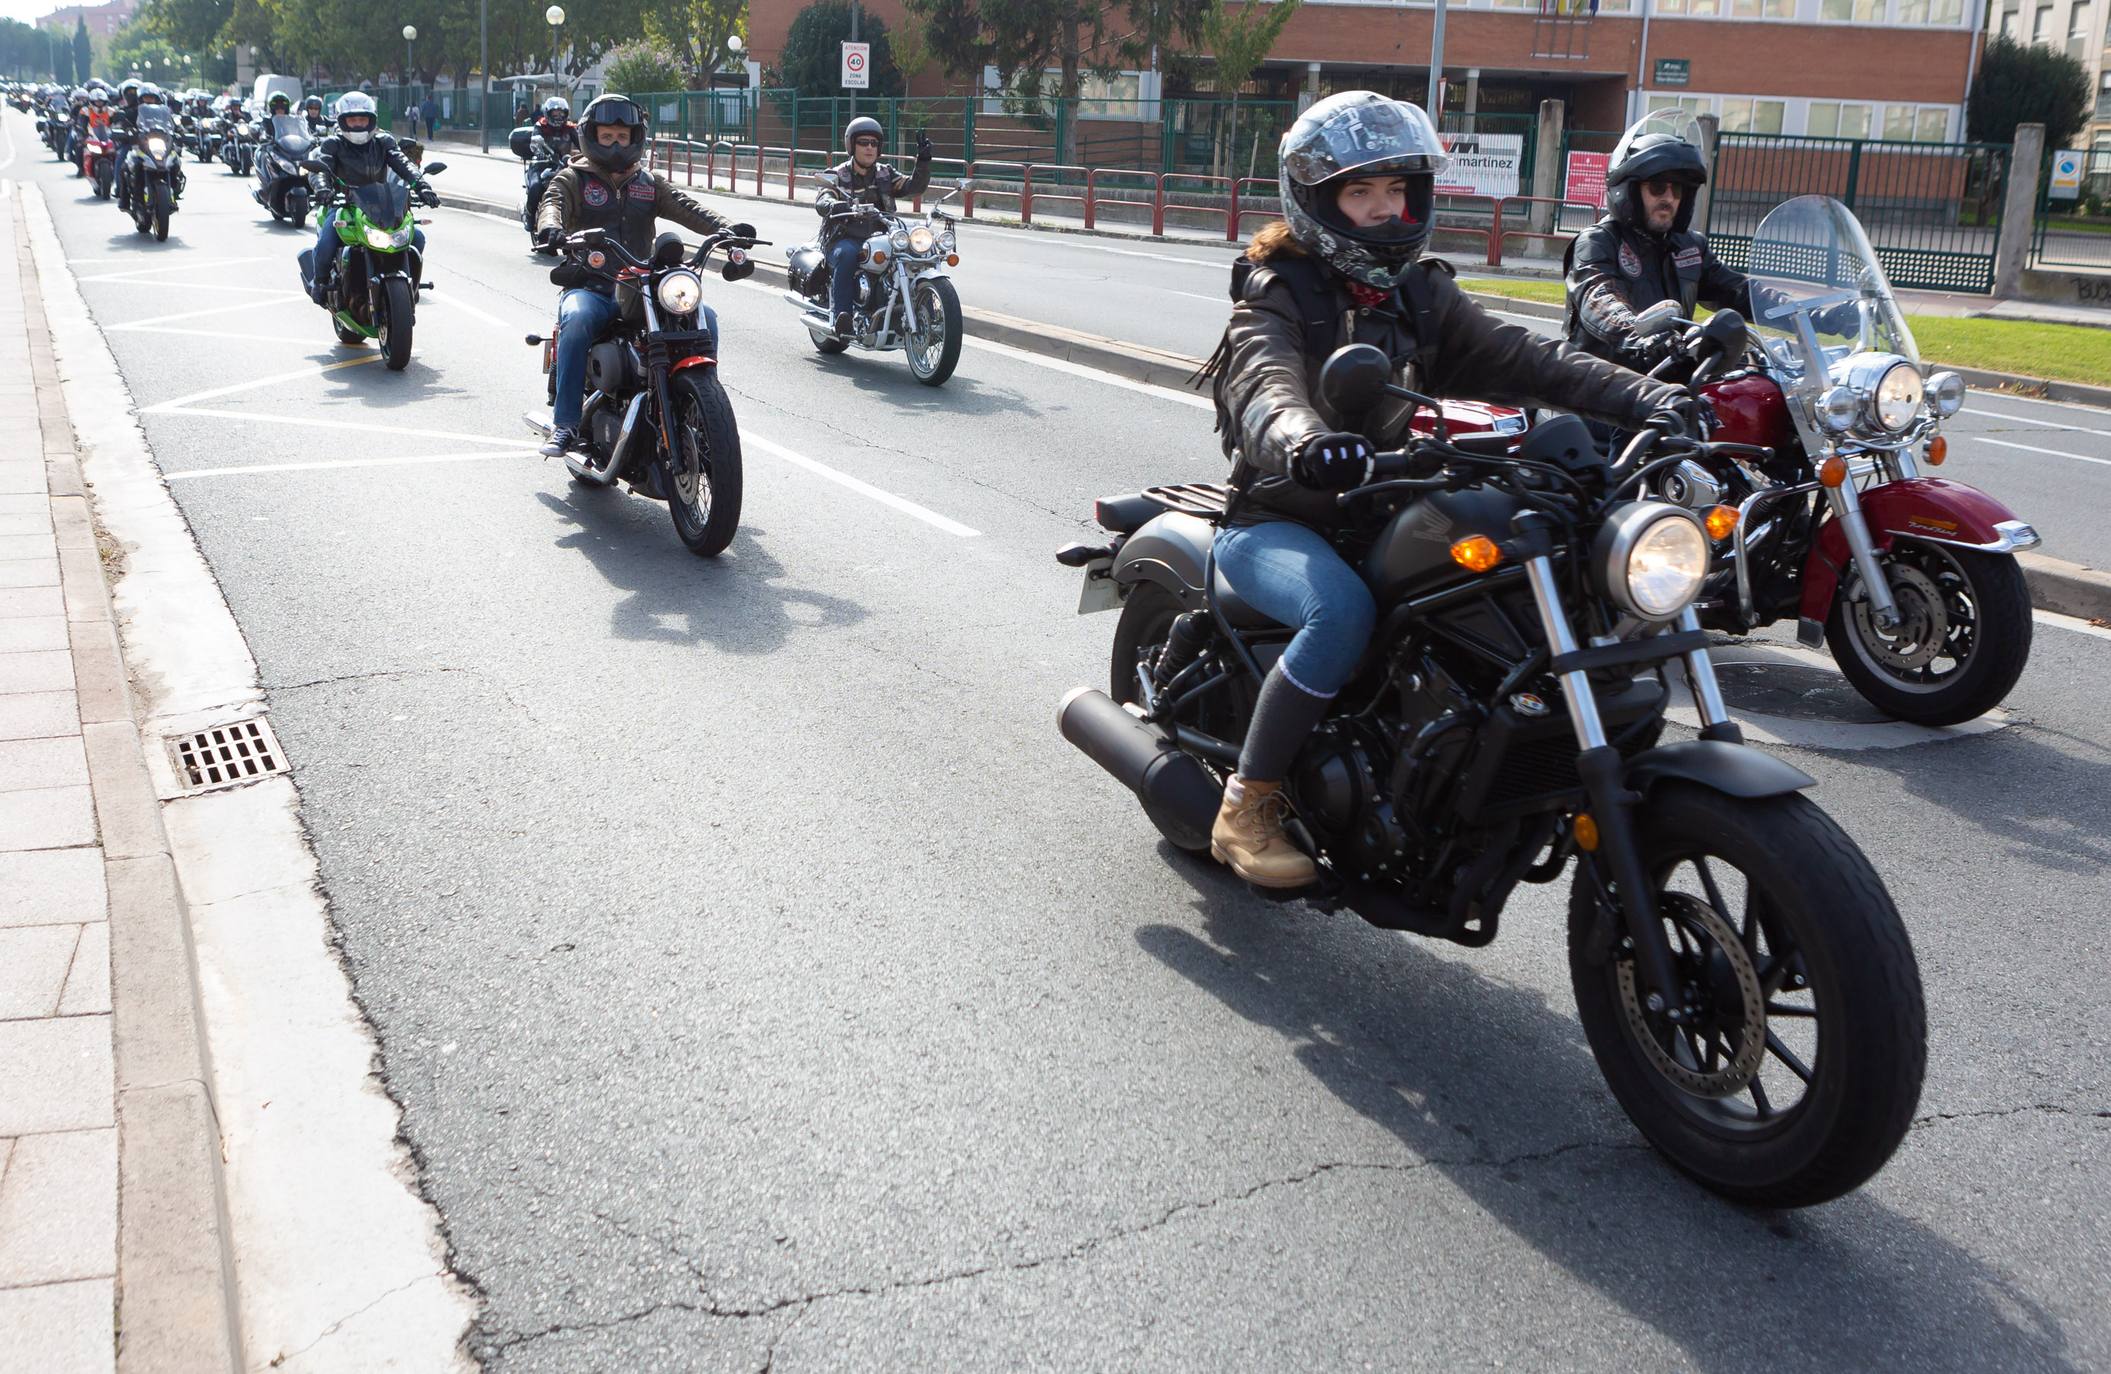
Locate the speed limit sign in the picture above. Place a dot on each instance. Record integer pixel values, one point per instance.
(857, 66)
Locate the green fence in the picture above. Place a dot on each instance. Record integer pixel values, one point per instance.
(2077, 232)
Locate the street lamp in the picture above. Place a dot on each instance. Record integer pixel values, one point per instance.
(555, 16)
(410, 36)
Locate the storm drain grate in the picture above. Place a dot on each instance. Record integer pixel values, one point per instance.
(227, 756)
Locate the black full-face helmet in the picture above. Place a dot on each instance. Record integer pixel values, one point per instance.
(557, 110)
(612, 111)
(280, 103)
(128, 94)
(862, 127)
(1344, 138)
(1662, 146)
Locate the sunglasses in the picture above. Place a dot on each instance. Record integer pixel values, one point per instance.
(1663, 187)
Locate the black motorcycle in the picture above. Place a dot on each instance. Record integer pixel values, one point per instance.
(152, 170)
(656, 415)
(1742, 976)
(282, 187)
(537, 166)
(238, 144)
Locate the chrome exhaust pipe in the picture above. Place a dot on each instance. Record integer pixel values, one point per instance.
(1177, 792)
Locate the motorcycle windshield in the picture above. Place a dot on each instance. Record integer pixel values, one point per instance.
(1820, 295)
(291, 134)
(1680, 124)
(156, 118)
(385, 203)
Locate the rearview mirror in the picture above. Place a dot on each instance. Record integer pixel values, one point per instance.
(1353, 379)
(434, 168)
(1656, 319)
(314, 164)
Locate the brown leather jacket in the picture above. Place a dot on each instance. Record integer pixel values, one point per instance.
(1268, 404)
(628, 204)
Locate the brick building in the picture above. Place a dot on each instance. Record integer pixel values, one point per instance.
(103, 20)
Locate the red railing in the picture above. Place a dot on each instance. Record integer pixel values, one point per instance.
(1093, 198)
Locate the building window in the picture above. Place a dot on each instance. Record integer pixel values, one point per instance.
(1837, 119)
(1689, 7)
(1695, 105)
(1917, 123)
(1743, 114)
(2042, 25)
(1940, 12)
(1762, 9)
(1852, 11)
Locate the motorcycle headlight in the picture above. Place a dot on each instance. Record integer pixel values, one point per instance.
(378, 237)
(1898, 397)
(900, 240)
(922, 241)
(1653, 558)
(1837, 409)
(1946, 393)
(680, 292)
(157, 145)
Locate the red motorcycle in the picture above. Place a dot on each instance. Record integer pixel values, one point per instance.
(99, 156)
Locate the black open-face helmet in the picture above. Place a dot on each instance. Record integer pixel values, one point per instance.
(862, 127)
(1661, 146)
(1344, 138)
(612, 110)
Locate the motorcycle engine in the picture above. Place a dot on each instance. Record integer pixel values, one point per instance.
(1342, 797)
(608, 368)
(607, 427)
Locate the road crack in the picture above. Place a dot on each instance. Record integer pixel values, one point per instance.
(283, 1357)
(1991, 1113)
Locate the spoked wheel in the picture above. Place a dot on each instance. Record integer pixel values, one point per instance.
(705, 501)
(396, 323)
(1962, 640)
(934, 349)
(1797, 1064)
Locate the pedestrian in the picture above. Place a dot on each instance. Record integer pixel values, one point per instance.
(430, 108)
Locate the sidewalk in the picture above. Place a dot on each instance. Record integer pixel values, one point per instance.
(100, 1098)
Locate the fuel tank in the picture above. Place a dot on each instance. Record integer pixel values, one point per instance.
(1413, 555)
(1753, 411)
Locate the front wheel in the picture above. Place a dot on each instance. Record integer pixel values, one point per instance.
(1797, 1067)
(103, 180)
(704, 498)
(934, 349)
(161, 209)
(399, 303)
(1961, 642)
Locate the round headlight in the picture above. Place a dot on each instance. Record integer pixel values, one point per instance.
(1946, 393)
(900, 240)
(1653, 558)
(922, 241)
(1898, 397)
(157, 145)
(680, 292)
(1837, 409)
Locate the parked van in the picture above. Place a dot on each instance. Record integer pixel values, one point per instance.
(269, 85)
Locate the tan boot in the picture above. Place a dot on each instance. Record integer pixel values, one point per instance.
(1249, 837)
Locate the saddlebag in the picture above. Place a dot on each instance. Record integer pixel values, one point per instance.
(800, 266)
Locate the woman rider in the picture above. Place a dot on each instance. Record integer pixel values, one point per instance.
(1357, 181)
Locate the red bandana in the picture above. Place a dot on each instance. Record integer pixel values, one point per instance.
(1369, 297)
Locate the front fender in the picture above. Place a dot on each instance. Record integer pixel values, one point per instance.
(1933, 510)
(1735, 770)
(934, 270)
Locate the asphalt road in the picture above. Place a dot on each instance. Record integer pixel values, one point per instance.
(767, 984)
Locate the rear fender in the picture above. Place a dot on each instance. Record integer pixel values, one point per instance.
(1735, 770)
(1171, 550)
(1932, 510)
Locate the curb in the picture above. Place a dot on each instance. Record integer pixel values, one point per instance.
(176, 1298)
(2067, 588)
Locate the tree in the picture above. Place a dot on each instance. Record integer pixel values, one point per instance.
(813, 53)
(1239, 41)
(642, 67)
(83, 50)
(2019, 84)
(61, 59)
(1023, 39)
(695, 31)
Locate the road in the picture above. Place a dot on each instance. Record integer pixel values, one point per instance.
(766, 984)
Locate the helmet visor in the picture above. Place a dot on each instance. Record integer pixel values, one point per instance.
(1361, 135)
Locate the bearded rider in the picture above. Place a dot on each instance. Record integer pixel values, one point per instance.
(861, 179)
(360, 153)
(603, 187)
(1357, 183)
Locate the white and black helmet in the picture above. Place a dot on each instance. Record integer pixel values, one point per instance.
(1340, 139)
(357, 117)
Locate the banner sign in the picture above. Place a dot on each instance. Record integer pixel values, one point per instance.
(857, 66)
(1586, 178)
(1482, 165)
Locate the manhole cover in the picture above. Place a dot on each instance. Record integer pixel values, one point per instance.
(226, 756)
(1794, 691)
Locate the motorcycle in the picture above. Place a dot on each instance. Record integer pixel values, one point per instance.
(151, 167)
(99, 157)
(656, 416)
(536, 169)
(905, 300)
(1742, 976)
(238, 145)
(205, 134)
(374, 293)
(282, 188)
(1910, 580)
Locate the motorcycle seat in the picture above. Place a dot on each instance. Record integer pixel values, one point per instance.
(1235, 608)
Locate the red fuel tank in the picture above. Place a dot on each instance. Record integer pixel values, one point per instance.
(1752, 410)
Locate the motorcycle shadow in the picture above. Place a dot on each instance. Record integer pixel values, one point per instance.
(1496, 1091)
(736, 603)
(374, 387)
(886, 377)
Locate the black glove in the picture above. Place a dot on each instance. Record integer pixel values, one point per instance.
(1332, 462)
(741, 231)
(427, 196)
(548, 237)
(1648, 350)
(1687, 417)
(923, 146)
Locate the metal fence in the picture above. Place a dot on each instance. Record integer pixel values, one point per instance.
(2077, 232)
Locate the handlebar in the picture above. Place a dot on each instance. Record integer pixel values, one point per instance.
(598, 238)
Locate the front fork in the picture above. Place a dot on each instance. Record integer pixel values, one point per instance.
(1847, 509)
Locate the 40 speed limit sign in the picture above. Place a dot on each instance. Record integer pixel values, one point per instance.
(857, 66)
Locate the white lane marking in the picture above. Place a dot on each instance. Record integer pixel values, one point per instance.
(201, 314)
(2071, 624)
(885, 498)
(1224, 263)
(185, 402)
(1224, 300)
(324, 465)
(176, 266)
(2033, 448)
(1163, 393)
(2032, 420)
(455, 302)
(311, 422)
(2037, 401)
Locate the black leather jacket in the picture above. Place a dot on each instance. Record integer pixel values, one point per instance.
(1616, 269)
(360, 164)
(844, 184)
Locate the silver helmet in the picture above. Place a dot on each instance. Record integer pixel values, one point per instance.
(357, 117)
(1340, 139)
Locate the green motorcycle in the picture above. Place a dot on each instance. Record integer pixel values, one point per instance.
(380, 270)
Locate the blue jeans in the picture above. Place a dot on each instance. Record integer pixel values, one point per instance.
(843, 274)
(328, 246)
(582, 316)
(1293, 576)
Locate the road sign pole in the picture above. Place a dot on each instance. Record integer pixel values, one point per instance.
(855, 9)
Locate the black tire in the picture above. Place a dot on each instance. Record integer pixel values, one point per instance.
(103, 180)
(825, 343)
(1830, 964)
(1984, 605)
(706, 442)
(400, 315)
(1146, 619)
(943, 302)
(163, 206)
(345, 333)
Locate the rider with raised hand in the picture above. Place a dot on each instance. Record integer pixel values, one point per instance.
(360, 153)
(604, 187)
(1645, 250)
(861, 179)
(1357, 183)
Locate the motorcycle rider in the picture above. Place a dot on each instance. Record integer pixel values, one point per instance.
(1644, 251)
(146, 95)
(1357, 183)
(280, 104)
(603, 187)
(559, 136)
(360, 153)
(861, 179)
(76, 125)
(312, 111)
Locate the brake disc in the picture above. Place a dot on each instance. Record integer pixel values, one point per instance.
(1749, 1034)
(1923, 621)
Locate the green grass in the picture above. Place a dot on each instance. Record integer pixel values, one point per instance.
(2060, 352)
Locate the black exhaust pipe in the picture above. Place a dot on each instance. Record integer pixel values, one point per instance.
(1177, 792)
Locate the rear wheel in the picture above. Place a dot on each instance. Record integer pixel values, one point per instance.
(705, 499)
(1798, 1064)
(934, 350)
(399, 314)
(1962, 640)
(103, 179)
(825, 342)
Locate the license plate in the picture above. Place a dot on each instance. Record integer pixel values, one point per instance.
(1100, 592)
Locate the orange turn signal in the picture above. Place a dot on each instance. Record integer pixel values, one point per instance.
(952, 259)
(1721, 521)
(878, 256)
(1586, 833)
(1832, 472)
(1476, 554)
(1938, 449)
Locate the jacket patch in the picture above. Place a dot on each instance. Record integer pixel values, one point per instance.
(1688, 258)
(594, 193)
(641, 188)
(1630, 264)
